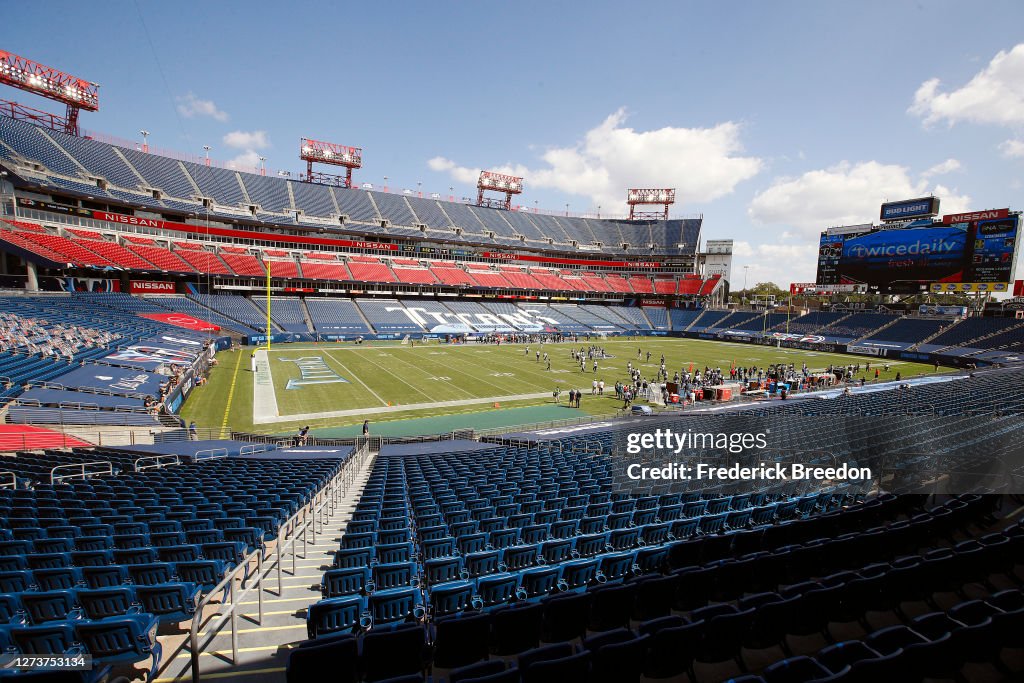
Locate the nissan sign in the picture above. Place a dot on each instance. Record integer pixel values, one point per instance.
(151, 287)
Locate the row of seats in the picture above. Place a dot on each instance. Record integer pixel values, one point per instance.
(666, 645)
(91, 249)
(936, 644)
(97, 566)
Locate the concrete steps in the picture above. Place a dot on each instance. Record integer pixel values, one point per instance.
(263, 647)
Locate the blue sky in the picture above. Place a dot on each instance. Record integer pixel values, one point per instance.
(773, 120)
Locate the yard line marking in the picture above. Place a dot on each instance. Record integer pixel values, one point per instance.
(356, 378)
(231, 393)
(411, 386)
(445, 365)
(405, 407)
(483, 381)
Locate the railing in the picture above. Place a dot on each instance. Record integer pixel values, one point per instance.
(158, 461)
(210, 453)
(13, 483)
(321, 507)
(78, 470)
(252, 449)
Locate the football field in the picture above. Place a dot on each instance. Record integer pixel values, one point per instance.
(338, 384)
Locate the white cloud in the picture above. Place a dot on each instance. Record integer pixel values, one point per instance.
(994, 95)
(1012, 149)
(191, 106)
(947, 166)
(845, 194)
(248, 140)
(778, 263)
(458, 173)
(703, 164)
(246, 161)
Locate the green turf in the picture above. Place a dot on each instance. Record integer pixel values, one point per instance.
(381, 373)
(486, 419)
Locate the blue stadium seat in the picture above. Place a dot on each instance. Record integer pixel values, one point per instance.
(536, 583)
(341, 582)
(450, 598)
(171, 603)
(394, 605)
(346, 558)
(336, 615)
(47, 606)
(100, 603)
(122, 640)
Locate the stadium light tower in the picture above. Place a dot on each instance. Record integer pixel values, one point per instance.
(206, 148)
(25, 74)
(314, 151)
(498, 182)
(645, 197)
(145, 140)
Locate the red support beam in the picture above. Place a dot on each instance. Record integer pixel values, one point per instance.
(316, 151)
(647, 197)
(498, 182)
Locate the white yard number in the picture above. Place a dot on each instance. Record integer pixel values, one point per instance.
(503, 374)
(441, 378)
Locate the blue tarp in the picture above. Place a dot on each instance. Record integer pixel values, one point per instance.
(53, 416)
(57, 396)
(122, 381)
(191, 448)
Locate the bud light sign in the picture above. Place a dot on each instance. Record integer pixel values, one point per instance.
(910, 208)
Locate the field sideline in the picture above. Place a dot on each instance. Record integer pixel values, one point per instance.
(390, 381)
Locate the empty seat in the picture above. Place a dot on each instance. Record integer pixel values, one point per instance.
(334, 615)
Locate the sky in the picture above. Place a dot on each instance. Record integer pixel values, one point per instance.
(773, 120)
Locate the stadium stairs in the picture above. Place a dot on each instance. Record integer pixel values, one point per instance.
(123, 562)
(993, 334)
(872, 333)
(376, 209)
(307, 318)
(264, 646)
(824, 330)
(928, 339)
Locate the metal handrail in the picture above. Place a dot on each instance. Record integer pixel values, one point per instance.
(232, 603)
(252, 449)
(158, 461)
(210, 453)
(326, 497)
(55, 479)
(14, 480)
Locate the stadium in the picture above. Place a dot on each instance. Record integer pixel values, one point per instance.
(291, 427)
